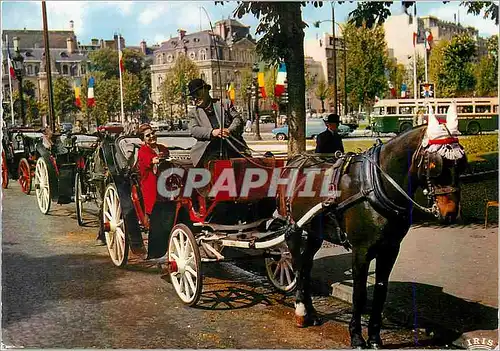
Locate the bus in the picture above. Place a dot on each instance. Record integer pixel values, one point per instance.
(475, 115)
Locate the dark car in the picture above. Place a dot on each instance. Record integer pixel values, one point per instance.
(66, 127)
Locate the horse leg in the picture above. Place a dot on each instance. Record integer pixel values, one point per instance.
(360, 265)
(302, 252)
(384, 264)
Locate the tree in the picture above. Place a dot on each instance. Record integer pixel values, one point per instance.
(486, 72)
(64, 99)
(323, 92)
(397, 75)
(282, 29)
(372, 13)
(246, 81)
(174, 86)
(367, 57)
(106, 61)
(452, 68)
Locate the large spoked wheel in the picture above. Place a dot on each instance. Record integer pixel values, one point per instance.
(279, 269)
(79, 198)
(114, 227)
(42, 186)
(185, 264)
(5, 171)
(24, 174)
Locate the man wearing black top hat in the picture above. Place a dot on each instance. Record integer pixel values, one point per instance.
(329, 141)
(205, 126)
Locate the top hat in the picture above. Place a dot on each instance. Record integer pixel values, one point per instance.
(333, 118)
(197, 84)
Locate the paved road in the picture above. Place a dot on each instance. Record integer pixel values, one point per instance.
(61, 291)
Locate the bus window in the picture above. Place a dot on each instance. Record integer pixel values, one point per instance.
(483, 109)
(405, 110)
(379, 111)
(495, 108)
(464, 109)
(441, 110)
(391, 110)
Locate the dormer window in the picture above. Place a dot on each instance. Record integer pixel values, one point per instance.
(170, 58)
(28, 54)
(196, 40)
(63, 54)
(192, 55)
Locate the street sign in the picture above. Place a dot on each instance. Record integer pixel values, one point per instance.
(427, 90)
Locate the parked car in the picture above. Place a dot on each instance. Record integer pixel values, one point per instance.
(266, 119)
(313, 128)
(66, 127)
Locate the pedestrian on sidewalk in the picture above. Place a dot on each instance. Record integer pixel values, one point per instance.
(248, 126)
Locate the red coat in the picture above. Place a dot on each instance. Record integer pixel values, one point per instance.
(147, 175)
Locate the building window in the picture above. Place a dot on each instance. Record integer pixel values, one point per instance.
(65, 70)
(29, 70)
(160, 81)
(203, 55)
(82, 69)
(203, 77)
(192, 55)
(163, 58)
(37, 69)
(170, 58)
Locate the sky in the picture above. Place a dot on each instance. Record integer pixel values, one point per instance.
(156, 21)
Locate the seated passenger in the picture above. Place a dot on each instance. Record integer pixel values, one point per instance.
(158, 214)
(205, 126)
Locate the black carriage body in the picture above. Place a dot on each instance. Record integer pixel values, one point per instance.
(20, 143)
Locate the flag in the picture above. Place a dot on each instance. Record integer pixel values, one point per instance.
(403, 90)
(231, 93)
(120, 57)
(262, 85)
(428, 40)
(90, 95)
(9, 63)
(279, 88)
(415, 36)
(77, 87)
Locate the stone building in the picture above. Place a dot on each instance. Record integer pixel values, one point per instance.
(399, 35)
(231, 44)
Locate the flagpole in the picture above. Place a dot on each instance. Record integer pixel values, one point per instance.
(122, 116)
(10, 84)
(425, 57)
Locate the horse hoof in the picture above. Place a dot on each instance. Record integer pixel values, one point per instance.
(314, 320)
(357, 342)
(300, 321)
(375, 343)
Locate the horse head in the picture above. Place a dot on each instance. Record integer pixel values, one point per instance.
(439, 162)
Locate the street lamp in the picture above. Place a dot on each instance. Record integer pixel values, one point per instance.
(316, 24)
(18, 62)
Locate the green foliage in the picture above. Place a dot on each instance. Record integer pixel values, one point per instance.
(367, 58)
(64, 99)
(174, 86)
(282, 29)
(490, 9)
(106, 60)
(486, 73)
(397, 75)
(246, 81)
(323, 92)
(451, 67)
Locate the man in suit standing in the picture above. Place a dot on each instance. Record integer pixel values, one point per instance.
(329, 141)
(205, 126)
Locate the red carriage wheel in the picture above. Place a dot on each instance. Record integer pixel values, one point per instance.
(24, 172)
(5, 172)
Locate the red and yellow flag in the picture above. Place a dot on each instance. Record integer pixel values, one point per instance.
(262, 85)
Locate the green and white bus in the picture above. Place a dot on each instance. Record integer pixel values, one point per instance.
(475, 115)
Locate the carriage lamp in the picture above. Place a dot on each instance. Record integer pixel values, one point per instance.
(425, 192)
(18, 62)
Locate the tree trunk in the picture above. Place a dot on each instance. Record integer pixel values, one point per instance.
(322, 106)
(296, 81)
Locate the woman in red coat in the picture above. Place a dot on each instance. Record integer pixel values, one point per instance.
(147, 162)
(160, 214)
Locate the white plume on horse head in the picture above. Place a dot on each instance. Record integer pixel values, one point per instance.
(434, 130)
(452, 118)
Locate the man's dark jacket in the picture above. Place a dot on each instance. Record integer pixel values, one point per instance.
(328, 142)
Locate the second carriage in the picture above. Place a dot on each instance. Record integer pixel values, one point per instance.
(203, 224)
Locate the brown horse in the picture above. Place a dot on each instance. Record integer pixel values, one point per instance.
(374, 209)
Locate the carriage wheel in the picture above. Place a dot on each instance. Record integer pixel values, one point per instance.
(279, 269)
(24, 173)
(42, 186)
(79, 198)
(185, 264)
(114, 227)
(5, 171)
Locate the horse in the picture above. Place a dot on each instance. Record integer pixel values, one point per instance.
(374, 209)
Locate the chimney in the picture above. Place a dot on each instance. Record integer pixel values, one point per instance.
(72, 26)
(143, 46)
(70, 45)
(182, 33)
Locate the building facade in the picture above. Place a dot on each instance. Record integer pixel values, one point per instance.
(230, 46)
(399, 31)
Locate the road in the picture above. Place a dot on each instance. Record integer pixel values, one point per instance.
(60, 291)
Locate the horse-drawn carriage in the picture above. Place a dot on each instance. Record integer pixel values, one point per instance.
(19, 156)
(202, 223)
